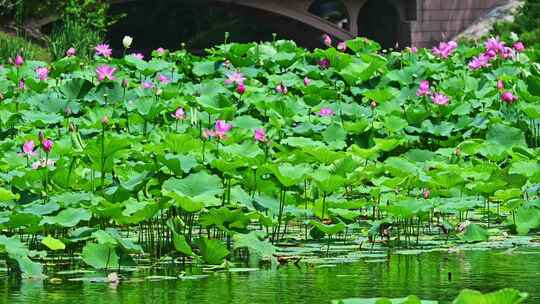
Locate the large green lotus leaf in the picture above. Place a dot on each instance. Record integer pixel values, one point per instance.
(530, 109)
(400, 166)
(106, 92)
(323, 154)
(71, 198)
(246, 122)
(194, 192)
(100, 256)
(41, 118)
(204, 68)
(27, 220)
(334, 133)
(246, 150)
(361, 45)
(381, 95)
(6, 195)
(328, 229)
(181, 245)
(148, 108)
(475, 233)
(394, 123)
(327, 182)
(408, 208)
(505, 136)
(300, 142)
(155, 65)
(527, 219)
(125, 243)
(104, 238)
(29, 268)
(41, 208)
(212, 251)
(181, 143)
(387, 144)
(69, 217)
(179, 164)
(503, 296)
(255, 242)
(52, 243)
(76, 88)
(288, 174)
(19, 252)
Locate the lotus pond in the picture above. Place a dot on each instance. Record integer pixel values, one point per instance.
(257, 152)
(425, 275)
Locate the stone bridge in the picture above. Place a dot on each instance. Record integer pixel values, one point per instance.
(419, 23)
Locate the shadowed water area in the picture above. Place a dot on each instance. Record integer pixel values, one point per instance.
(425, 275)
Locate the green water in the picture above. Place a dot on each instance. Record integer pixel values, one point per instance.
(425, 275)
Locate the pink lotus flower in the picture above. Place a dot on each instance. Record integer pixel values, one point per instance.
(281, 88)
(47, 145)
(519, 47)
(105, 72)
(42, 73)
(235, 77)
(324, 64)
(307, 81)
(147, 85)
(164, 79)
(440, 99)
(495, 45)
(260, 135)
(445, 49)
(508, 97)
(103, 50)
(325, 112)
(42, 164)
(18, 60)
(160, 51)
(138, 56)
(500, 85)
(28, 148)
(240, 88)
(413, 50)
(327, 40)
(179, 114)
(22, 84)
(222, 127)
(423, 89)
(208, 134)
(71, 52)
(342, 46)
(508, 53)
(479, 62)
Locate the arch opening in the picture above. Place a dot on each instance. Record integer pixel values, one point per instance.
(201, 24)
(334, 11)
(380, 21)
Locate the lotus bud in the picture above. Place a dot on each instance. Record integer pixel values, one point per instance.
(426, 193)
(373, 104)
(125, 83)
(41, 136)
(457, 152)
(105, 120)
(127, 41)
(159, 92)
(67, 111)
(47, 145)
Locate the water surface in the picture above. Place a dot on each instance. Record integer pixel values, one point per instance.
(426, 275)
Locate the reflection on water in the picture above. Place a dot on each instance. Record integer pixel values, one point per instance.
(434, 275)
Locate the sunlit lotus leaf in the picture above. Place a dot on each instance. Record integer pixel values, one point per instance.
(212, 251)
